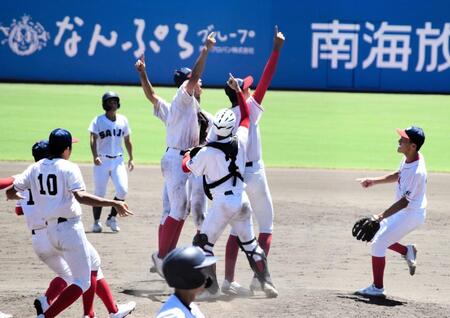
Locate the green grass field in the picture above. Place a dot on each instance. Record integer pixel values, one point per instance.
(299, 129)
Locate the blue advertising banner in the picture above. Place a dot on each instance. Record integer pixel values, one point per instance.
(330, 44)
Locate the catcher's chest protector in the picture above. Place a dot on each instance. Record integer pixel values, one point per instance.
(230, 149)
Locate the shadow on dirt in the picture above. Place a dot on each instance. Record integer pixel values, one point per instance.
(373, 300)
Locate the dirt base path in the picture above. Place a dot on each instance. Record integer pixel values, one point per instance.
(315, 263)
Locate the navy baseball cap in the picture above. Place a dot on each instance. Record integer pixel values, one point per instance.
(59, 140)
(181, 75)
(243, 84)
(40, 150)
(414, 134)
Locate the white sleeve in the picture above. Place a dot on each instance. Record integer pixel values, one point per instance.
(22, 181)
(242, 135)
(93, 126)
(414, 185)
(183, 98)
(198, 164)
(127, 129)
(161, 110)
(256, 110)
(74, 179)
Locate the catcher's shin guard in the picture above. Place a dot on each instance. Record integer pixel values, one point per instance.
(255, 253)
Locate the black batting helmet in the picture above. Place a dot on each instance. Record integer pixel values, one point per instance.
(109, 95)
(179, 76)
(183, 266)
(40, 150)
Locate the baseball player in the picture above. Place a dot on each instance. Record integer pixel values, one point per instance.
(53, 257)
(220, 163)
(254, 176)
(182, 132)
(406, 214)
(106, 134)
(184, 269)
(58, 189)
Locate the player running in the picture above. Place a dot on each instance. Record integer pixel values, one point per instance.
(406, 214)
(58, 189)
(254, 176)
(182, 132)
(221, 164)
(106, 134)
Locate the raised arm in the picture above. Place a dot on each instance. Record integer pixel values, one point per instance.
(270, 67)
(199, 65)
(145, 83)
(243, 106)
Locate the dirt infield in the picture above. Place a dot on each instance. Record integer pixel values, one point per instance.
(315, 263)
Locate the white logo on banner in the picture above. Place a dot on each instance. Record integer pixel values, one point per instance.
(24, 36)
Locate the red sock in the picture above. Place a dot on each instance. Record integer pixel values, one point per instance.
(264, 241)
(168, 231)
(67, 298)
(159, 233)
(55, 288)
(378, 264)
(231, 254)
(104, 293)
(399, 248)
(88, 296)
(176, 236)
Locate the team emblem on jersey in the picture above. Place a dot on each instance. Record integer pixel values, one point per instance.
(24, 36)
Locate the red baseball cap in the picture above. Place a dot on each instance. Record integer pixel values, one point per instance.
(245, 83)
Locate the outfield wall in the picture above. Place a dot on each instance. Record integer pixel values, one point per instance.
(383, 45)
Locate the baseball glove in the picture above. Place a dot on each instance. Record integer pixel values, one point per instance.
(365, 229)
(203, 124)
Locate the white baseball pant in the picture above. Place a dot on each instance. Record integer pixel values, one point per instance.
(394, 228)
(114, 168)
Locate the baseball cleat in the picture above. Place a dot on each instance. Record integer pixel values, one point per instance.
(207, 295)
(371, 291)
(410, 258)
(157, 262)
(255, 285)
(112, 223)
(97, 227)
(123, 310)
(270, 290)
(41, 305)
(235, 289)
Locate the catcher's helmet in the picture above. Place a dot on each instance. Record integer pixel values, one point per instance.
(183, 266)
(179, 76)
(40, 150)
(109, 95)
(243, 84)
(224, 122)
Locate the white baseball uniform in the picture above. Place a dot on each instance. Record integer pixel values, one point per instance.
(412, 184)
(52, 183)
(182, 132)
(255, 176)
(174, 308)
(110, 135)
(230, 204)
(39, 238)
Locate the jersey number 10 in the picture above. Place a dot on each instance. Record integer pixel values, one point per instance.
(51, 187)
